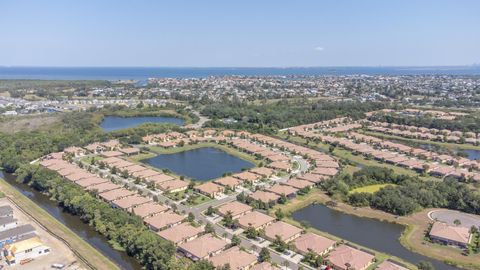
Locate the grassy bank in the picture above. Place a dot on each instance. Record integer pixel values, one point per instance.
(229, 150)
(85, 250)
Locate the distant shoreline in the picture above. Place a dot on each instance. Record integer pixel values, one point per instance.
(143, 73)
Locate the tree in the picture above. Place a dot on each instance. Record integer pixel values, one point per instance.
(457, 222)
(190, 217)
(210, 211)
(283, 199)
(424, 265)
(279, 214)
(251, 233)
(236, 240)
(209, 228)
(228, 219)
(264, 255)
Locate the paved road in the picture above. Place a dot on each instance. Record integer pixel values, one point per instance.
(201, 121)
(292, 263)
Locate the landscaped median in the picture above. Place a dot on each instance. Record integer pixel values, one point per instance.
(81, 248)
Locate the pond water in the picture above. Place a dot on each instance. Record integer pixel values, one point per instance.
(371, 233)
(74, 223)
(201, 164)
(112, 123)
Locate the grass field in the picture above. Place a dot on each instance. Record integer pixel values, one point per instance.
(85, 250)
(370, 189)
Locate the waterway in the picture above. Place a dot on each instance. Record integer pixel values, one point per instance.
(371, 233)
(201, 164)
(74, 223)
(112, 123)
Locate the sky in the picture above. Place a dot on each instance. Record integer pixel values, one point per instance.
(240, 33)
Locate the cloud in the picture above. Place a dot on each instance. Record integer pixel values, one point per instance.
(319, 48)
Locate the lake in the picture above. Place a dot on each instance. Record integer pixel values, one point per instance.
(112, 123)
(375, 234)
(74, 223)
(201, 164)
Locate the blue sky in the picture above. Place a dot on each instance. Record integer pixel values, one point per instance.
(249, 33)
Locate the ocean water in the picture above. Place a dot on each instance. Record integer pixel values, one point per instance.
(143, 73)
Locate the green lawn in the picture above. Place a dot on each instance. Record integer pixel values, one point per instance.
(370, 188)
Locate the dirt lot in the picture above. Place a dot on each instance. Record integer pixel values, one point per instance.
(59, 252)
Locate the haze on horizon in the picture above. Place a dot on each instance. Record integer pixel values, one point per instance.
(247, 33)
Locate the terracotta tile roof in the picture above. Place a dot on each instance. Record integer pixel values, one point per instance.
(116, 194)
(148, 209)
(263, 171)
(204, 245)
(162, 220)
(255, 219)
(172, 185)
(236, 258)
(282, 189)
(313, 242)
(263, 196)
(298, 183)
(453, 233)
(235, 207)
(344, 255)
(209, 188)
(247, 176)
(388, 265)
(91, 181)
(104, 187)
(228, 181)
(284, 230)
(265, 266)
(180, 233)
(130, 201)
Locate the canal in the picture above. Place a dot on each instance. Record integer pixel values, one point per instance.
(371, 233)
(74, 223)
(112, 123)
(201, 164)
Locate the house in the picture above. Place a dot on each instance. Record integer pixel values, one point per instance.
(283, 189)
(313, 242)
(450, 235)
(236, 208)
(256, 220)
(181, 233)
(149, 209)
(116, 194)
(175, 185)
(16, 233)
(229, 181)
(6, 211)
(103, 187)
(265, 266)
(7, 223)
(236, 258)
(280, 165)
(299, 183)
(202, 247)
(389, 265)
(24, 249)
(263, 172)
(247, 177)
(265, 197)
(91, 181)
(163, 220)
(210, 189)
(130, 202)
(345, 257)
(285, 231)
(130, 151)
